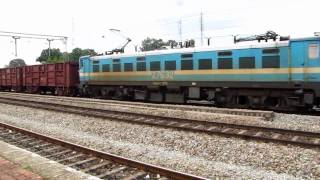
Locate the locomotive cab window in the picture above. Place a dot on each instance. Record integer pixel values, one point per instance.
(155, 66)
(225, 63)
(225, 53)
(186, 65)
(205, 63)
(141, 58)
(116, 60)
(271, 51)
(170, 65)
(270, 61)
(246, 62)
(313, 51)
(81, 63)
(116, 65)
(105, 68)
(186, 62)
(141, 64)
(128, 67)
(95, 66)
(116, 68)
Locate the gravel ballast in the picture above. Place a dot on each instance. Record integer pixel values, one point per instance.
(280, 120)
(195, 153)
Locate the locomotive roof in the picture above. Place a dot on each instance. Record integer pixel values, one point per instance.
(315, 38)
(203, 49)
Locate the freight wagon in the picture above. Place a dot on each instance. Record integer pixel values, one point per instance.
(11, 79)
(60, 78)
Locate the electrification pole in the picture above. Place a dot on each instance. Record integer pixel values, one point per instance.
(15, 45)
(201, 27)
(65, 41)
(49, 41)
(180, 30)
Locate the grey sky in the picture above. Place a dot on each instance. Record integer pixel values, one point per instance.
(147, 18)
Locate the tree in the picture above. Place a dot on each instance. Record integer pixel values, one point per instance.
(16, 63)
(150, 44)
(192, 43)
(55, 56)
(172, 43)
(78, 52)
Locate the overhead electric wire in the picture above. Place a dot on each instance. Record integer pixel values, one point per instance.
(29, 37)
(31, 34)
(18, 35)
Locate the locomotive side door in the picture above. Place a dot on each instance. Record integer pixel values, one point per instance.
(84, 68)
(312, 61)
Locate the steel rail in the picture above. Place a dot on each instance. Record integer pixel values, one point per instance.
(245, 112)
(110, 157)
(226, 129)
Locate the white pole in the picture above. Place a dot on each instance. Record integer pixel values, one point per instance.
(201, 27)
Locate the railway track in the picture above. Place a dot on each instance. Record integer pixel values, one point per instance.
(268, 115)
(285, 136)
(100, 164)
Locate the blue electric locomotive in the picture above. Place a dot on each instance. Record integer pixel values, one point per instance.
(273, 75)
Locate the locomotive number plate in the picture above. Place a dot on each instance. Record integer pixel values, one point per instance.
(162, 75)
